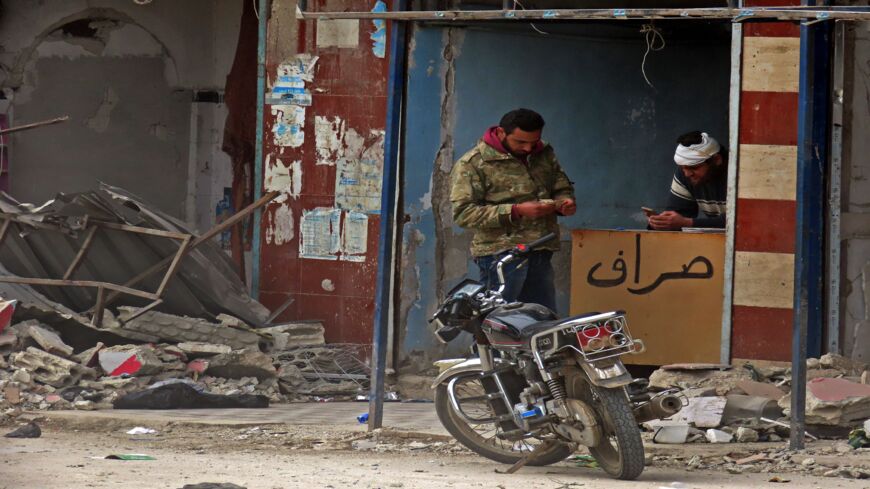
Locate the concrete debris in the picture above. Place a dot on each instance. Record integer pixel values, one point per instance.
(89, 357)
(240, 364)
(168, 327)
(760, 389)
(296, 334)
(746, 435)
(51, 369)
(702, 412)
(720, 381)
(196, 350)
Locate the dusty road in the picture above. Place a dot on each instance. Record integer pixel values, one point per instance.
(292, 457)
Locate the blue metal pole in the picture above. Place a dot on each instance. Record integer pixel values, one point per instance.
(263, 14)
(392, 140)
(811, 161)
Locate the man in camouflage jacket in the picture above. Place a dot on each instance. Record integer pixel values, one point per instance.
(510, 189)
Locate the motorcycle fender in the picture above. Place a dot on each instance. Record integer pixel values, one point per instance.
(610, 376)
(467, 366)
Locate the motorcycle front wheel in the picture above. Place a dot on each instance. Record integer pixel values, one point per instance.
(483, 438)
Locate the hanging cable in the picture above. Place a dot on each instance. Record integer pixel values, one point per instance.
(654, 42)
(539, 31)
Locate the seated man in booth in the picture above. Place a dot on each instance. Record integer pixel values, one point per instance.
(697, 198)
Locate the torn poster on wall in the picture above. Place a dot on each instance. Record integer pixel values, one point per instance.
(319, 230)
(332, 234)
(359, 174)
(279, 225)
(328, 139)
(288, 127)
(282, 178)
(289, 85)
(354, 236)
(379, 37)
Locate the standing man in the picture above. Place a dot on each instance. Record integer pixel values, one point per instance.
(699, 185)
(510, 189)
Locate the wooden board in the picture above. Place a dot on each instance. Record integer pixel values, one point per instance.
(669, 284)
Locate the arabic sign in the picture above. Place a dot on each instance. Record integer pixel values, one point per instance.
(669, 283)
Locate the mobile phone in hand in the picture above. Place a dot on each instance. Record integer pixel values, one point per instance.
(649, 212)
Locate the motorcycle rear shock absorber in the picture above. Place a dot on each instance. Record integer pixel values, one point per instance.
(557, 389)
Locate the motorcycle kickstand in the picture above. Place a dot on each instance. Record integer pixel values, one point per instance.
(523, 461)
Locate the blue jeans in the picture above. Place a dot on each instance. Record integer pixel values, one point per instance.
(532, 282)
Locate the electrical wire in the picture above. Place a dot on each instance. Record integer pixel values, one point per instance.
(654, 42)
(539, 31)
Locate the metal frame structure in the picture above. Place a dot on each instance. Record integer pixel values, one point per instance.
(103, 299)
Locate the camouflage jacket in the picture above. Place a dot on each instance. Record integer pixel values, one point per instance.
(485, 184)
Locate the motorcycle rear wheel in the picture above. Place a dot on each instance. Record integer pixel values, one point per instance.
(620, 452)
(482, 438)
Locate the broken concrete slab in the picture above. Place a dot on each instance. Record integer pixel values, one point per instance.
(300, 333)
(839, 362)
(836, 402)
(245, 363)
(49, 341)
(197, 350)
(723, 381)
(51, 369)
(129, 360)
(718, 436)
(177, 329)
(746, 435)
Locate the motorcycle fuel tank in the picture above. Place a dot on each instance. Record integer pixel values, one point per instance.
(504, 325)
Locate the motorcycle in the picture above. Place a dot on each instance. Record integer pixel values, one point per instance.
(541, 386)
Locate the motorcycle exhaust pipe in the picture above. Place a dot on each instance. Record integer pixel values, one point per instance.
(658, 407)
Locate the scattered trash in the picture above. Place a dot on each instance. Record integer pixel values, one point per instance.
(778, 479)
(671, 433)
(586, 461)
(674, 485)
(129, 456)
(363, 418)
(141, 430)
(858, 438)
(30, 430)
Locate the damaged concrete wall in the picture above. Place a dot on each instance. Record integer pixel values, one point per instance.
(856, 195)
(613, 133)
(125, 73)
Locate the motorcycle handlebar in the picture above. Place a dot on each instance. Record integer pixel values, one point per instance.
(538, 242)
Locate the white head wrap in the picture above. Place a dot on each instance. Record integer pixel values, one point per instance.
(696, 153)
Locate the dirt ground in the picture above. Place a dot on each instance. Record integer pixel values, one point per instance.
(280, 456)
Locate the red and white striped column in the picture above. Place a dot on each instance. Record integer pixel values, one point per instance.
(764, 240)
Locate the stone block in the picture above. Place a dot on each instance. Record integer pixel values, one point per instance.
(836, 402)
(839, 362)
(50, 369)
(89, 357)
(245, 363)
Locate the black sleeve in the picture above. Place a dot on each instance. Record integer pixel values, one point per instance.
(709, 222)
(680, 198)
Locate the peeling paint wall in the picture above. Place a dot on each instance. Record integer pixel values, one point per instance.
(855, 323)
(324, 144)
(614, 136)
(126, 76)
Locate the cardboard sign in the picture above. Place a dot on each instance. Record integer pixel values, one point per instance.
(669, 284)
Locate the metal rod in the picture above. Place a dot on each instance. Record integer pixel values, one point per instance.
(142, 311)
(392, 143)
(97, 318)
(278, 310)
(211, 233)
(835, 192)
(74, 265)
(735, 14)
(140, 230)
(731, 194)
(78, 283)
(263, 19)
(182, 249)
(34, 125)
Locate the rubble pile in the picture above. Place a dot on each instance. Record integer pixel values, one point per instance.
(40, 370)
(751, 403)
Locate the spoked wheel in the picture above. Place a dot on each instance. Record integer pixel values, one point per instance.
(483, 438)
(620, 452)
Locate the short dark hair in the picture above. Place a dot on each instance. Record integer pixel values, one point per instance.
(525, 119)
